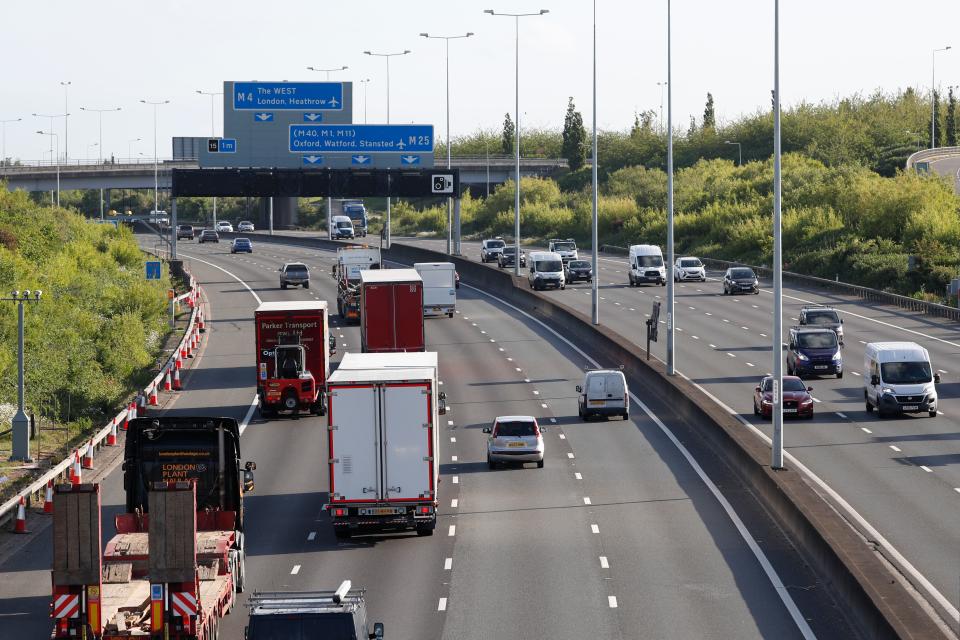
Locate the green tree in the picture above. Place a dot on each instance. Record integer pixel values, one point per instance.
(574, 138)
(951, 119)
(938, 119)
(709, 115)
(508, 137)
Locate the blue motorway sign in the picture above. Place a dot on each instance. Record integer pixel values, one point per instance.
(263, 116)
(355, 138)
(153, 269)
(289, 96)
(227, 145)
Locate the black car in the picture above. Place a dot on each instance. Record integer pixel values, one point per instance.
(505, 257)
(576, 270)
(740, 280)
(209, 235)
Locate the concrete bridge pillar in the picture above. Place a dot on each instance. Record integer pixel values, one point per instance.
(285, 213)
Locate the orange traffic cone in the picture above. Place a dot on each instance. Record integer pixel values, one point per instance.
(112, 434)
(141, 405)
(21, 524)
(166, 380)
(88, 456)
(153, 396)
(134, 410)
(177, 386)
(178, 363)
(200, 323)
(76, 473)
(48, 498)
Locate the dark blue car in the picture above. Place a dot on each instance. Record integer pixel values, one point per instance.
(241, 245)
(814, 351)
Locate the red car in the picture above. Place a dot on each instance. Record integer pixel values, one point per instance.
(796, 398)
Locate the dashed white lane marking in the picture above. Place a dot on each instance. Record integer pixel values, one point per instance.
(509, 359)
(312, 536)
(518, 368)
(452, 531)
(472, 323)
(500, 349)
(632, 309)
(939, 413)
(942, 371)
(731, 355)
(617, 303)
(763, 335)
(815, 399)
(453, 458)
(895, 448)
(754, 306)
(750, 364)
(570, 455)
(699, 290)
(842, 415)
(563, 437)
(926, 468)
(603, 562)
(554, 420)
(862, 341)
(707, 313)
(855, 373)
(527, 380)
(453, 438)
(586, 500)
(455, 479)
(483, 332)
(295, 570)
(448, 564)
(865, 430)
(450, 423)
(693, 308)
(454, 503)
(696, 337)
(442, 606)
(536, 393)
(745, 328)
(595, 529)
(492, 340)
(542, 404)
(612, 601)
(578, 475)
(957, 489)
(725, 320)
(713, 346)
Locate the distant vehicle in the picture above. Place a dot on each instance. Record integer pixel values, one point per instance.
(604, 393)
(294, 274)
(351, 260)
(546, 270)
(224, 226)
(185, 231)
(332, 615)
(898, 378)
(439, 287)
(241, 245)
(740, 280)
(814, 351)
(822, 317)
(490, 249)
(356, 211)
(246, 227)
(567, 249)
(689, 268)
(576, 270)
(514, 439)
(391, 311)
(457, 274)
(342, 228)
(159, 218)
(646, 265)
(506, 257)
(796, 398)
(208, 235)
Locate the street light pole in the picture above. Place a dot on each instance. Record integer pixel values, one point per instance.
(21, 423)
(776, 461)
(327, 71)
(57, 139)
(447, 40)
(129, 150)
(516, 195)
(66, 122)
(52, 116)
(595, 287)
(213, 134)
(662, 85)
(933, 95)
(671, 317)
(365, 82)
(739, 152)
(3, 125)
(387, 56)
(156, 188)
(100, 113)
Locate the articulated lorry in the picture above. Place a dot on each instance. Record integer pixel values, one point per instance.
(293, 339)
(177, 560)
(391, 317)
(383, 443)
(350, 262)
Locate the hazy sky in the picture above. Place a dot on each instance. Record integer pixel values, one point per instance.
(117, 52)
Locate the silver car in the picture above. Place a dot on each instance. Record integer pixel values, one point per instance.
(294, 273)
(514, 439)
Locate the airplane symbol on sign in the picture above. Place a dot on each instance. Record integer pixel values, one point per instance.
(401, 145)
(334, 102)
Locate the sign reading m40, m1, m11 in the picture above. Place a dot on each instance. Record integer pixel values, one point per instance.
(354, 138)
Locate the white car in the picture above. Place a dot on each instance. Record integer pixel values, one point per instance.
(224, 226)
(514, 439)
(245, 227)
(689, 268)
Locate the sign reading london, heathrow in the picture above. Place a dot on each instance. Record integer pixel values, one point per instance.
(289, 96)
(357, 138)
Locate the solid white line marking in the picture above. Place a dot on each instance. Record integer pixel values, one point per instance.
(595, 529)
(246, 418)
(452, 531)
(295, 570)
(612, 601)
(454, 503)
(453, 458)
(455, 479)
(865, 430)
(577, 475)
(926, 468)
(442, 606)
(448, 564)
(570, 455)
(603, 562)
(312, 536)
(895, 448)
(586, 500)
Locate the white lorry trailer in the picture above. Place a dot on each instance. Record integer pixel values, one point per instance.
(439, 287)
(383, 443)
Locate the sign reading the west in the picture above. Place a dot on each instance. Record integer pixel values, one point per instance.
(355, 138)
(297, 96)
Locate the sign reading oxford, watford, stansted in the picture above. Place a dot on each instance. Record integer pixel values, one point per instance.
(355, 138)
(288, 96)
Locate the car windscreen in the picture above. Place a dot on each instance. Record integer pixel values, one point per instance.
(793, 384)
(690, 263)
(564, 246)
(649, 261)
(303, 626)
(549, 266)
(742, 274)
(816, 340)
(297, 270)
(906, 372)
(344, 224)
(515, 428)
(823, 317)
(495, 244)
(579, 264)
(509, 250)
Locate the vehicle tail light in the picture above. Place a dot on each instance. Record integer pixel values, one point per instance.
(426, 510)
(536, 428)
(339, 513)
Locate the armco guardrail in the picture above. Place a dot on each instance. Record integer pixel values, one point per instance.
(858, 573)
(926, 155)
(36, 490)
(863, 293)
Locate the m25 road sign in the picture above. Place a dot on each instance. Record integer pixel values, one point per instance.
(355, 138)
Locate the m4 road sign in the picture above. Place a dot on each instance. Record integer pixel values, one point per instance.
(288, 96)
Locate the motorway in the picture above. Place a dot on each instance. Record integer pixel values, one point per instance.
(948, 166)
(902, 475)
(619, 536)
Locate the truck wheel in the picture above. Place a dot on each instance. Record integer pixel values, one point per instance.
(290, 402)
(267, 413)
(241, 569)
(424, 531)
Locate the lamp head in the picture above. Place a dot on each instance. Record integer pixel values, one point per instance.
(543, 11)
(425, 35)
(469, 33)
(368, 53)
(490, 11)
(406, 51)
(37, 294)
(26, 294)
(15, 294)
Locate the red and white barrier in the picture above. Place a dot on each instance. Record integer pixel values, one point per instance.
(112, 436)
(76, 474)
(88, 456)
(21, 525)
(177, 385)
(48, 497)
(166, 380)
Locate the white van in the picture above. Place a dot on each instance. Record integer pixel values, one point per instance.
(342, 227)
(604, 393)
(899, 378)
(546, 270)
(646, 265)
(439, 287)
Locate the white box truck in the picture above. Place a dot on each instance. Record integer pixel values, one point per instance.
(439, 287)
(383, 443)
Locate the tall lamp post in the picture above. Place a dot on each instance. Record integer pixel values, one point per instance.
(329, 198)
(365, 82)
(57, 139)
(776, 458)
(447, 40)
(386, 56)
(671, 316)
(739, 151)
(662, 85)
(327, 71)
(66, 121)
(933, 95)
(156, 189)
(213, 134)
(130, 147)
(100, 113)
(595, 287)
(63, 115)
(3, 125)
(21, 423)
(516, 198)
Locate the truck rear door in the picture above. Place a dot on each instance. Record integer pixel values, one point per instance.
(355, 465)
(408, 316)
(408, 442)
(378, 317)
